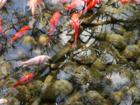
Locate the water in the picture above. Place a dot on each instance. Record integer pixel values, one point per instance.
(68, 81)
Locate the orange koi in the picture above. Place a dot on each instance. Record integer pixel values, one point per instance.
(20, 33)
(75, 24)
(124, 1)
(53, 22)
(0, 25)
(34, 4)
(129, 1)
(24, 80)
(74, 4)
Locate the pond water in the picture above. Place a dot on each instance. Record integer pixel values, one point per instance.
(102, 70)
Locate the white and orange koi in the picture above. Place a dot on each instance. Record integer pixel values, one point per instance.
(2, 3)
(35, 61)
(34, 4)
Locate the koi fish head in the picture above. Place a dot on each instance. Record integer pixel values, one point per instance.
(29, 76)
(75, 17)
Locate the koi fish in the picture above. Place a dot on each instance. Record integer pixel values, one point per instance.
(24, 80)
(0, 25)
(124, 1)
(34, 4)
(53, 22)
(20, 33)
(75, 24)
(2, 3)
(74, 4)
(129, 1)
(90, 4)
(35, 61)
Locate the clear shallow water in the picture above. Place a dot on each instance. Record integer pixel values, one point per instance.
(74, 74)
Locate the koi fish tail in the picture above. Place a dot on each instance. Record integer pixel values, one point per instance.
(51, 30)
(76, 28)
(16, 84)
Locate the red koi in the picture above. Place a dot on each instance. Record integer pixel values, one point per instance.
(24, 80)
(124, 1)
(87, 1)
(0, 25)
(75, 24)
(129, 1)
(90, 4)
(53, 22)
(20, 33)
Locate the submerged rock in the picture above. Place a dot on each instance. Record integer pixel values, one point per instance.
(59, 88)
(116, 97)
(43, 40)
(81, 75)
(4, 67)
(3, 101)
(94, 98)
(74, 99)
(138, 62)
(13, 101)
(85, 57)
(131, 51)
(118, 81)
(29, 40)
(116, 40)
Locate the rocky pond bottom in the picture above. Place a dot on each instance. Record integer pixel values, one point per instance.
(103, 69)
